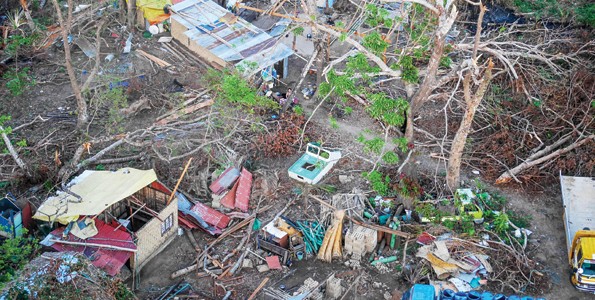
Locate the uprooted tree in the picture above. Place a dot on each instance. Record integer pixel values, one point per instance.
(77, 89)
(406, 60)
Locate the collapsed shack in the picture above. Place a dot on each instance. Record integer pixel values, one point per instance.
(114, 218)
(223, 39)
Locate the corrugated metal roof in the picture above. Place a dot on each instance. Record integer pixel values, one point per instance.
(231, 41)
(229, 200)
(225, 181)
(244, 189)
(111, 261)
(211, 216)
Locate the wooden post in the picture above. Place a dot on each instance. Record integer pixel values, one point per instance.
(131, 14)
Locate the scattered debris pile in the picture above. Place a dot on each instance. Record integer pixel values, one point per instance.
(67, 274)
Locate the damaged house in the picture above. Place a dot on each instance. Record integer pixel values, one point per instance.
(116, 218)
(225, 40)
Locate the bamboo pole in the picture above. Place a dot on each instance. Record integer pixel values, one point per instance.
(179, 181)
(93, 245)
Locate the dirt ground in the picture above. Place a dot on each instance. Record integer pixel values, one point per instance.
(50, 98)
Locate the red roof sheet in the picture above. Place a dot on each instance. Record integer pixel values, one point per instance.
(211, 216)
(244, 189)
(229, 200)
(273, 262)
(111, 261)
(225, 181)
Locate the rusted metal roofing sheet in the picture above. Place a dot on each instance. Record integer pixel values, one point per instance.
(207, 26)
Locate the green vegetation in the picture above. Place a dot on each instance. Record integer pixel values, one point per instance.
(18, 81)
(19, 43)
(373, 145)
(115, 99)
(582, 11)
(232, 88)
(122, 292)
(380, 183)
(14, 254)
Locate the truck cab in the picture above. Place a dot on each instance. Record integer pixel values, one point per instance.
(579, 221)
(583, 261)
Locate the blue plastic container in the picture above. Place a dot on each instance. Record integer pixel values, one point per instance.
(514, 297)
(447, 295)
(423, 291)
(474, 295)
(487, 296)
(499, 297)
(460, 296)
(527, 298)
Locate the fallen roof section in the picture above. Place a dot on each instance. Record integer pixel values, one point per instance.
(111, 261)
(209, 27)
(97, 190)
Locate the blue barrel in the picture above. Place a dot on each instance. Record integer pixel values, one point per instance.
(487, 296)
(499, 297)
(514, 297)
(474, 295)
(527, 298)
(460, 296)
(447, 295)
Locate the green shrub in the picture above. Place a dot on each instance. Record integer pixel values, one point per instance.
(18, 81)
(14, 254)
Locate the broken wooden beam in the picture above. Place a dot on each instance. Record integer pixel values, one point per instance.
(155, 59)
(192, 240)
(185, 111)
(257, 290)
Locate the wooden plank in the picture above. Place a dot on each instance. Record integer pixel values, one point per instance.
(153, 58)
(260, 286)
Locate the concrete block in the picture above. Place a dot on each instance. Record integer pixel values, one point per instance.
(262, 268)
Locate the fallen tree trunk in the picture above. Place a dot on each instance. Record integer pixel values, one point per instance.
(507, 176)
(13, 152)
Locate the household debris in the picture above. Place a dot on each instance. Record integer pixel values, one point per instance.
(314, 164)
(332, 243)
(12, 218)
(359, 241)
(58, 273)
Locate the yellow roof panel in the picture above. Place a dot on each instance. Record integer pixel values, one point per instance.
(97, 190)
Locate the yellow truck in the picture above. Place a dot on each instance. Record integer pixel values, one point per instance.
(578, 197)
